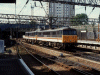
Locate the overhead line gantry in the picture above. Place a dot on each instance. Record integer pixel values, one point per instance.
(93, 3)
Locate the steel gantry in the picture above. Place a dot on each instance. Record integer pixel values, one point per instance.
(93, 3)
(4, 18)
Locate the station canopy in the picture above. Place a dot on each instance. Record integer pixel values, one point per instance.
(7, 1)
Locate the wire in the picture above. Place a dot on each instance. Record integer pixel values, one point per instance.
(24, 6)
(91, 11)
(43, 7)
(85, 9)
(79, 8)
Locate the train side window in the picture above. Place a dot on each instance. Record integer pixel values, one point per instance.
(32, 34)
(35, 33)
(39, 34)
(46, 34)
(26, 34)
(54, 34)
(60, 33)
(57, 33)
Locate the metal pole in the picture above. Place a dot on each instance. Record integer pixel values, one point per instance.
(15, 12)
(98, 32)
(16, 30)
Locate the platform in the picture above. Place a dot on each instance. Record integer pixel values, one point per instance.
(13, 67)
(87, 42)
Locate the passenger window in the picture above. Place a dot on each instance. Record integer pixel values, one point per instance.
(32, 34)
(60, 32)
(53, 33)
(48, 33)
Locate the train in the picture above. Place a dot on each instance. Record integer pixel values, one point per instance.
(61, 37)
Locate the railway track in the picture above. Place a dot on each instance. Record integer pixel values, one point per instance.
(66, 62)
(85, 53)
(48, 70)
(82, 52)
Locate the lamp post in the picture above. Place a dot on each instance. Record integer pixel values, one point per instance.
(98, 32)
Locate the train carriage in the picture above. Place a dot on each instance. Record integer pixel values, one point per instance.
(61, 38)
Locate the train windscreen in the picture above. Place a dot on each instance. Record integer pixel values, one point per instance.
(69, 32)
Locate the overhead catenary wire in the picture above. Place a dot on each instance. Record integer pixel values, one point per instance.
(23, 6)
(79, 8)
(43, 7)
(91, 11)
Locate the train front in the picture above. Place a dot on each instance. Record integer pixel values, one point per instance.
(69, 37)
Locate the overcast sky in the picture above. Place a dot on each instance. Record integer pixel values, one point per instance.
(10, 9)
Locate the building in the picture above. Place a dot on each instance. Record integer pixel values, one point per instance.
(60, 10)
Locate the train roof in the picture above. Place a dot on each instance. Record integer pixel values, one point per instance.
(63, 28)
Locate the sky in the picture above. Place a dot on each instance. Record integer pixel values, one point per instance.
(10, 9)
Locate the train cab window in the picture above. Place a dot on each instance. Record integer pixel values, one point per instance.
(75, 33)
(69, 32)
(65, 32)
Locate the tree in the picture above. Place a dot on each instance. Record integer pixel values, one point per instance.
(33, 23)
(80, 19)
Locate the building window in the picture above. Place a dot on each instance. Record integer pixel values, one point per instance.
(67, 12)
